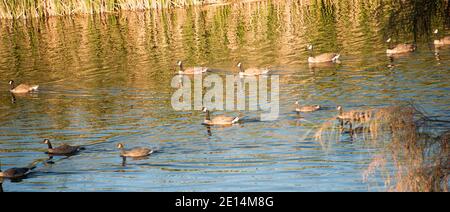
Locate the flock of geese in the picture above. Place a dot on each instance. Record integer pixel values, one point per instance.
(66, 150)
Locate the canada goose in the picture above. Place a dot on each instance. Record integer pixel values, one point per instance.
(357, 130)
(355, 116)
(22, 88)
(306, 108)
(14, 173)
(64, 149)
(321, 58)
(218, 120)
(136, 152)
(251, 71)
(191, 70)
(443, 41)
(400, 48)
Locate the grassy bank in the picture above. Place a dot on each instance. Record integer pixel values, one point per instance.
(420, 158)
(14, 9)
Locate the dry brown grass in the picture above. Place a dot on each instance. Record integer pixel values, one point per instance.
(420, 161)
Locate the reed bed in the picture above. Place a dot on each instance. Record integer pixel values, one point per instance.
(15, 9)
(420, 159)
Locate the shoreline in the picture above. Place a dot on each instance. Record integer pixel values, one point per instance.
(48, 8)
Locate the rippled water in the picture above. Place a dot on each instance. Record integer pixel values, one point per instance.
(106, 80)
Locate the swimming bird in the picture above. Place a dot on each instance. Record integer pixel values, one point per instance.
(191, 70)
(400, 48)
(322, 58)
(22, 88)
(354, 115)
(219, 120)
(14, 173)
(357, 130)
(306, 108)
(64, 149)
(135, 152)
(443, 41)
(251, 71)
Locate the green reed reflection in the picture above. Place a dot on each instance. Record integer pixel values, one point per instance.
(105, 77)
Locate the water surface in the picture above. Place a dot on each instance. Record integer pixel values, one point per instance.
(106, 80)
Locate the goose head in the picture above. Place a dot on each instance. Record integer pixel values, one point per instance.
(205, 109)
(11, 82)
(46, 141)
(180, 64)
(435, 31)
(239, 65)
(388, 40)
(120, 146)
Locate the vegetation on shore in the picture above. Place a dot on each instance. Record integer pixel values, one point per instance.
(419, 158)
(14, 9)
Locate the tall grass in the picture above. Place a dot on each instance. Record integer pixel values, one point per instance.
(420, 159)
(14, 9)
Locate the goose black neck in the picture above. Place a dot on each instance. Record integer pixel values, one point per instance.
(310, 52)
(49, 145)
(11, 86)
(391, 45)
(241, 69)
(207, 115)
(181, 67)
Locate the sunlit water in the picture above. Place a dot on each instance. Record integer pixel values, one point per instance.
(106, 80)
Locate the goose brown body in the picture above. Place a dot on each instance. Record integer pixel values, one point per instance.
(22, 88)
(219, 120)
(443, 41)
(191, 70)
(306, 108)
(16, 172)
(401, 48)
(135, 152)
(354, 116)
(64, 149)
(322, 58)
(252, 71)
